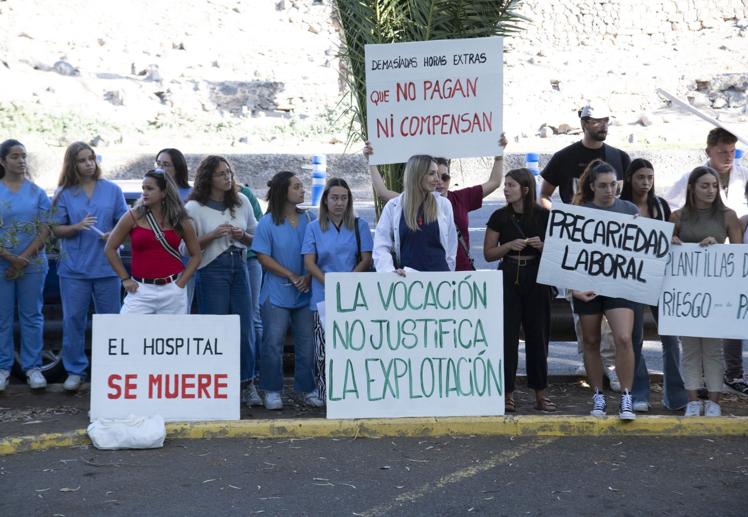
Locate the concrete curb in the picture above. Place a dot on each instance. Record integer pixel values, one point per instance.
(558, 426)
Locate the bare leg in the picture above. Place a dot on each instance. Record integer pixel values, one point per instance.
(593, 363)
(622, 325)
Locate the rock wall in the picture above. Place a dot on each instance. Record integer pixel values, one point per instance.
(566, 23)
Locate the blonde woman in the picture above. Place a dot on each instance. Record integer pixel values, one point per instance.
(416, 229)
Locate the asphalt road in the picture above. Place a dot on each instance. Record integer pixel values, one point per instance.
(445, 476)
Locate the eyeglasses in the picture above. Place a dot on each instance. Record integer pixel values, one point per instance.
(446, 177)
(222, 174)
(163, 165)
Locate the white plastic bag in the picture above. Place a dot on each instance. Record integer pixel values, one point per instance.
(132, 432)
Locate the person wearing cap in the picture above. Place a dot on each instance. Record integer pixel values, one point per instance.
(463, 200)
(567, 165)
(563, 172)
(720, 152)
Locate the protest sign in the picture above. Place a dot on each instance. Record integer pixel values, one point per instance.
(612, 254)
(182, 367)
(705, 293)
(439, 97)
(429, 344)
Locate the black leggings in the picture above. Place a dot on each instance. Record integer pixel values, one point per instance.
(526, 303)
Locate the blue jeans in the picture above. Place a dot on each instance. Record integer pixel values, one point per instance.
(254, 270)
(275, 325)
(76, 295)
(223, 288)
(640, 386)
(26, 292)
(674, 395)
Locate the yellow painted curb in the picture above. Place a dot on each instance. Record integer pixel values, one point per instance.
(559, 426)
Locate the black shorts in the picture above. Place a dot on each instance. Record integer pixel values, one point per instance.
(600, 304)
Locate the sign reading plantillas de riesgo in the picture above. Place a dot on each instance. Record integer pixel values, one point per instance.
(430, 97)
(705, 293)
(182, 367)
(429, 344)
(612, 254)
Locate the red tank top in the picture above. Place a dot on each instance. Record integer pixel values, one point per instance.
(149, 258)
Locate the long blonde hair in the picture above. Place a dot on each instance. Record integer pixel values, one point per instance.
(414, 195)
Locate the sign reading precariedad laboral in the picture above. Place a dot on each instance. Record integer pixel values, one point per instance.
(429, 97)
(182, 367)
(612, 254)
(429, 344)
(705, 293)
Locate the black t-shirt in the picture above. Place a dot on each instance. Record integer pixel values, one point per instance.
(569, 163)
(511, 225)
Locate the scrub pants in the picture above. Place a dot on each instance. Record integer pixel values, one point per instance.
(76, 295)
(27, 293)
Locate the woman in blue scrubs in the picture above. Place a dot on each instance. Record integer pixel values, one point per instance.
(24, 212)
(336, 242)
(86, 208)
(284, 298)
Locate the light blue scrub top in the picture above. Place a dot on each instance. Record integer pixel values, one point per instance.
(21, 213)
(82, 255)
(184, 193)
(282, 242)
(336, 251)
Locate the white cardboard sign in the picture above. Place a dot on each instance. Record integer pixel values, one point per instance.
(612, 254)
(441, 97)
(705, 293)
(429, 344)
(182, 367)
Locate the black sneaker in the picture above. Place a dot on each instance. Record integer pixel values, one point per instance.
(738, 385)
(626, 410)
(598, 404)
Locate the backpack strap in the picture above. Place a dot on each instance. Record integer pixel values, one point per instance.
(160, 237)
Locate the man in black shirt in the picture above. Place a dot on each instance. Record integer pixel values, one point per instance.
(567, 165)
(563, 171)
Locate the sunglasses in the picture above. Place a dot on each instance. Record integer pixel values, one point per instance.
(446, 177)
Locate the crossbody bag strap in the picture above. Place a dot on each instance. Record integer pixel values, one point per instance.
(160, 237)
(358, 240)
(464, 246)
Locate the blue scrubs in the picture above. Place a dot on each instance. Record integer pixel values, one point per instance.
(21, 213)
(336, 251)
(83, 269)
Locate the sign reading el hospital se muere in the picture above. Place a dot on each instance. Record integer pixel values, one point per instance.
(428, 344)
(182, 367)
(705, 293)
(425, 96)
(612, 254)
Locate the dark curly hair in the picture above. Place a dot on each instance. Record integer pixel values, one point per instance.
(204, 181)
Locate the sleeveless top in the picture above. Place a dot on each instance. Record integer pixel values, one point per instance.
(149, 258)
(702, 224)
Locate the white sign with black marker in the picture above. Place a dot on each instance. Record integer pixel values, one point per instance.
(705, 293)
(612, 254)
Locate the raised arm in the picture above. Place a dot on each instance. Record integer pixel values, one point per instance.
(497, 171)
(377, 181)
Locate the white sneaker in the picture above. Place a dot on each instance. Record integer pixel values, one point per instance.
(250, 397)
(612, 376)
(313, 399)
(641, 406)
(693, 408)
(273, 400)
(4, 379)
(711, 408)
(72, 383)
(35, 379)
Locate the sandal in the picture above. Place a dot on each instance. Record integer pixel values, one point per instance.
(545, 405)
(509, 406)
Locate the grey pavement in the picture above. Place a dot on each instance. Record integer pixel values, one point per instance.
(402, 476)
